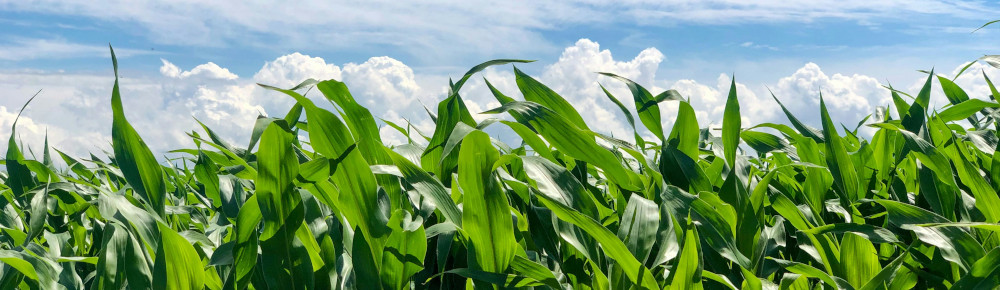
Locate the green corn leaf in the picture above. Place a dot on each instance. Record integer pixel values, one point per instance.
(956, 245)
(803, 129)
(43, 271)
(19, 178)
(965, 109)
(530, 269)
(570, 140)
(366, 133)
(840, 163)
(615, 248)
(486, 212)
(358, 195)
(207, 172)
(985, 273)
(687, 271)
(684, 135)
(136, 161)
(731, 122)
(638, 227)
(451, 111)
(480, 67)
(645, 105)
(625, 111)
(177, 264)
(537, 92)
(245, 249)
(405, 251)
(861, 260)
(812, 272)
(869, 232)
(430, 188)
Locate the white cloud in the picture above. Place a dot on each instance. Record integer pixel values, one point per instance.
(751, 44)
(575, 77)
(288, 70)
(73, 108)
(208, 70)
(382, 82)
(848, 97)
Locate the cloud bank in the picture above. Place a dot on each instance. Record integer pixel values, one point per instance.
(73, 108)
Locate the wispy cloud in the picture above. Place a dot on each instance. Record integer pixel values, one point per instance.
(20, 49)
(751, 44)
(442, 29)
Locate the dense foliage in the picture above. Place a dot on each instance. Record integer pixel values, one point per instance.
(770, 206)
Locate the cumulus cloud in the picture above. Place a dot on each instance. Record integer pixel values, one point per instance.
(383, 82)
(288, 70)
(709, 102)
(208, 70)
(73, 108)
(848, 97)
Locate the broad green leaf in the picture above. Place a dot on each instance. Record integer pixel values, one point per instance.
(688, 268)
(122, 259)
(965, 109)
(625, 111)
(245, 249)
(177, 264)
(684, 135)
(731, 122)
(861, 259)
(429, 187)
(803, 129)
(638, 227)
(207, 172)
(613, 247)
(885, 276)
(136, 161)
(985, 273)
(869, 232)
(840, 163)
(278, 167)
(405, 251)
(812, 272)
(952, 91)
(536, 92)
(19, 178)
(556, 181)
(44, 271)
(366, 133)
(570, 140)
(365, 267)
(530, 269)
(358, 195)
(486, 212)
(955, 244)
(451, 111)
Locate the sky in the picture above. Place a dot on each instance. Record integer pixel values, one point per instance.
(187, 60)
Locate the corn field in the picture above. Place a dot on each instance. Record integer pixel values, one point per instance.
(317, 201)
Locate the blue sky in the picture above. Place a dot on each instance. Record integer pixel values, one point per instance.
(201, 58)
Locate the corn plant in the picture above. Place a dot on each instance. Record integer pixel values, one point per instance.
(770, 206)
